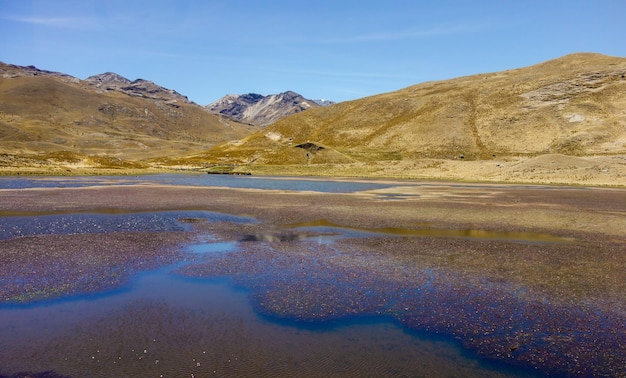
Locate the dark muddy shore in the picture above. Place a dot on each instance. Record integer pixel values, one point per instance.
(525, 275)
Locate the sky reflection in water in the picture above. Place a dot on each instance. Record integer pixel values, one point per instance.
(165, 323)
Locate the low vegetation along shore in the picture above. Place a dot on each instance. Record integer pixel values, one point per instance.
(543, 169)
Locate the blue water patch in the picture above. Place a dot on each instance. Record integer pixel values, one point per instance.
(229, 181)
(212, 248)
(164, 323)
(272, 183)
(64, 224)
(9, 182)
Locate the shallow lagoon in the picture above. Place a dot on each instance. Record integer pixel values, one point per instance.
(163, 323)
(166, 324)
(306, 298)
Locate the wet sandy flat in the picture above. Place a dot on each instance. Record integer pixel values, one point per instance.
(528, 276)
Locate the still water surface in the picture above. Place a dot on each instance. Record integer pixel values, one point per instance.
(229, 181)
(164, 324)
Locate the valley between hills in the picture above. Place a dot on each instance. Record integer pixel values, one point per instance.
(521, 276)
(558, 122)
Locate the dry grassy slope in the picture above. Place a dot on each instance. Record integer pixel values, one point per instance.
(49, 114)
(574, 105)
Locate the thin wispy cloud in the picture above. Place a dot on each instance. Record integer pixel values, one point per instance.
(405, 34)
(58, 22)
(356, 82)
(344, 75)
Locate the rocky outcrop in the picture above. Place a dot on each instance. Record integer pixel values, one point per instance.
(110, 81)
(8, 71)
(261, 110)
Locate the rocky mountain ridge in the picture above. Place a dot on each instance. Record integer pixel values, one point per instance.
(261, 110)
(111, 81)
(11, 71)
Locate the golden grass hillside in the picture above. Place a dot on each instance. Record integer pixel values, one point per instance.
(495, 126)
(46, 115)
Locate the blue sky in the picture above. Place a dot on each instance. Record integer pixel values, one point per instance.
(338, 50)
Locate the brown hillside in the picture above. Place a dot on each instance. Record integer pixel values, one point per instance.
(45, 113)
(573, 106)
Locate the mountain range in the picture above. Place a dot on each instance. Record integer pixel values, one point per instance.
(47, 116)
(561, 121)
(262, 110)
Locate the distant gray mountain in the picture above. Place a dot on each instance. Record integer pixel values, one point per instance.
(108, 79)
(261, 110)
(111, 81)
(323, 102)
